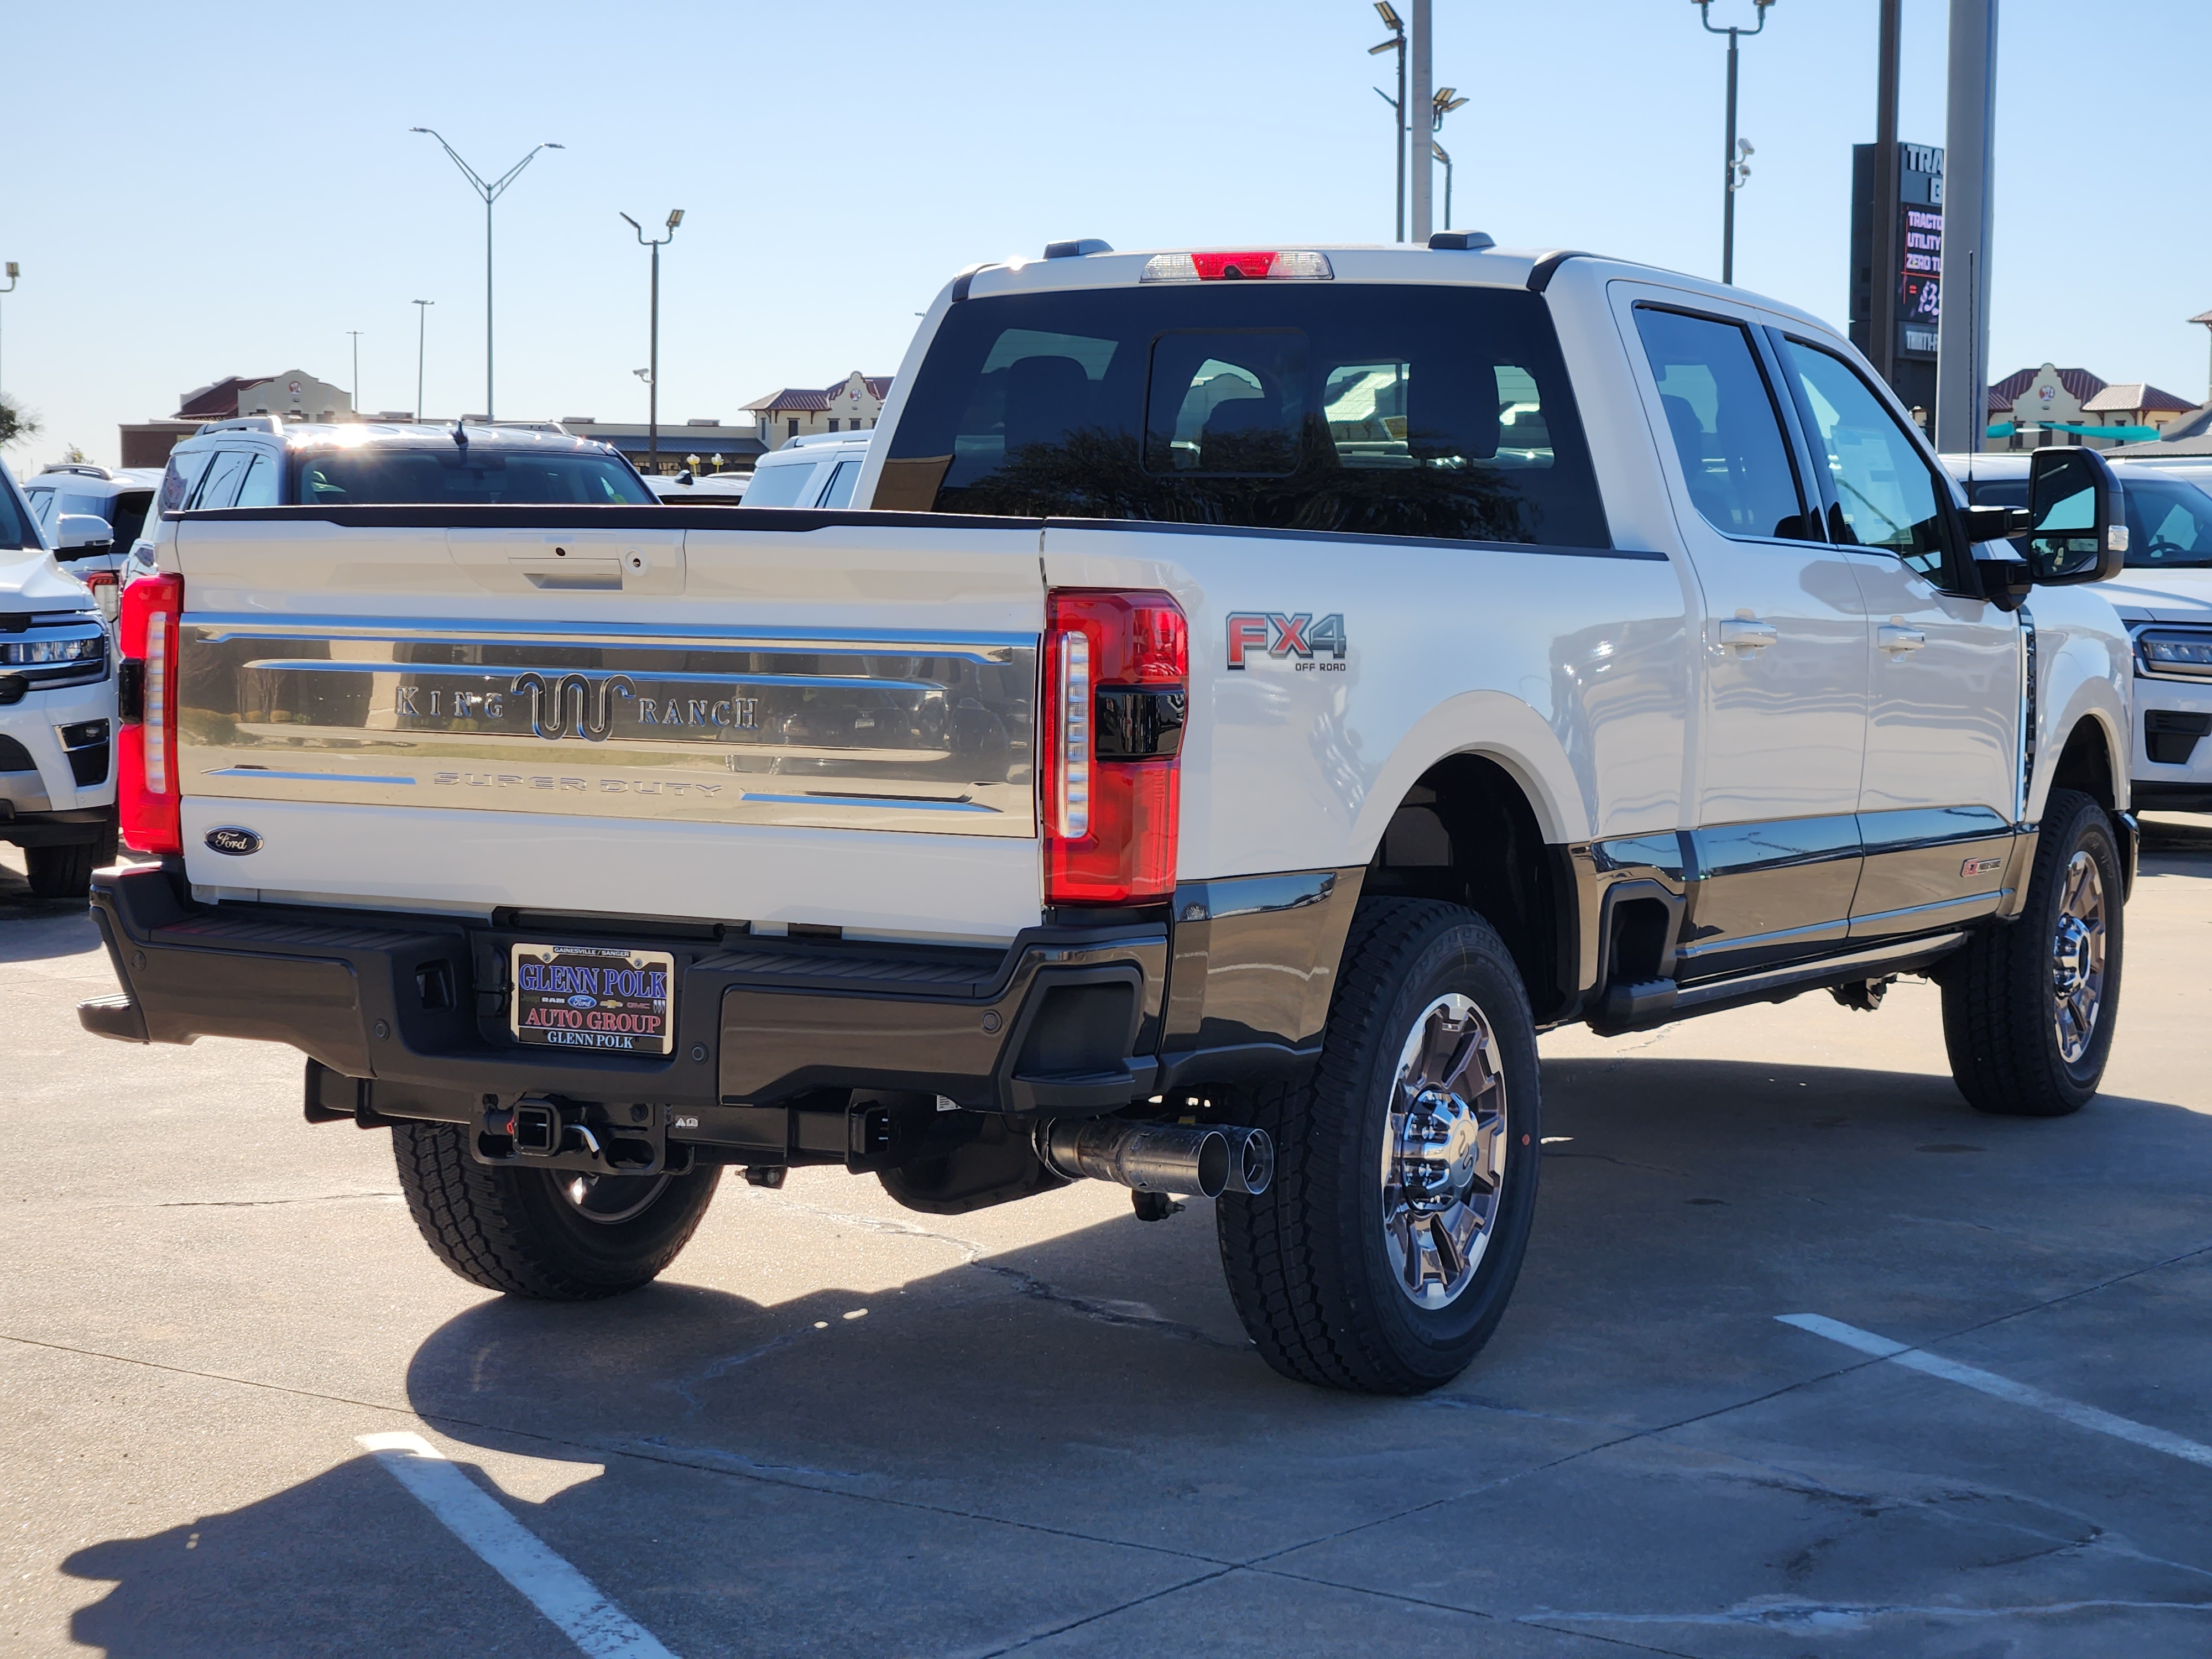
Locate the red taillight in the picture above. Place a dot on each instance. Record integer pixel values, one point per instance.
(104, 590)
(146, 765)
(1116, 671)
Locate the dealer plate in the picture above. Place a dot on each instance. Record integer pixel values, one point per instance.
(593, 996)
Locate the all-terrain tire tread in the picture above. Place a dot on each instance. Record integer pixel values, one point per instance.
(1996, 993)
(1281, 1279)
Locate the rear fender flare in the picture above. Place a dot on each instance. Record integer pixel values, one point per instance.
(1498, 727)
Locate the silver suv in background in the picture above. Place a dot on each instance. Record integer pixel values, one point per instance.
(90, 516)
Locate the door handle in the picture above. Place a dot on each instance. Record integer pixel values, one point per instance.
(1895, 637)
(1748, 632)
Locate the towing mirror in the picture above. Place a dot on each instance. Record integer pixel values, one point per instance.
(2077, 525)
(82, 533)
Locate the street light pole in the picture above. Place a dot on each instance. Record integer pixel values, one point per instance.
(421, 329)
(14, 271)
(1446, 100)
(491, 192)
(652, 361)
(356, 333)
(1396, 42)
(1420, 47)
(1735, 169)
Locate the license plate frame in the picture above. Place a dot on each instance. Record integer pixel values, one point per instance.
(591, 998)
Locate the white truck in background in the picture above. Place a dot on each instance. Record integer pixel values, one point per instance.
(1264, 690)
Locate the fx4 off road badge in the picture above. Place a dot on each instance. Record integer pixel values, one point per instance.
(1267, 633)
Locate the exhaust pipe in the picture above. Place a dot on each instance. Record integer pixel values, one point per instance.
(1158, 1158)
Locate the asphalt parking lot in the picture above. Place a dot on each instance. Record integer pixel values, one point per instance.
(838, 1427)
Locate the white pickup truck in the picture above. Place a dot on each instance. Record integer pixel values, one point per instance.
(1268, 687)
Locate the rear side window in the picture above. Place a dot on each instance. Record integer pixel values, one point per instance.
(128, 512)
(779, 486)
(840, 492)
(186, 468)
(1727, 430)
(218, 485)
(259, 488)
(1408, 410)
(465, 475)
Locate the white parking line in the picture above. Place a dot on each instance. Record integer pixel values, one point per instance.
(2003, 1387)
(556, 1589)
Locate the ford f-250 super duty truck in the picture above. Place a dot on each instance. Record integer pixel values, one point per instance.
(1267, 689)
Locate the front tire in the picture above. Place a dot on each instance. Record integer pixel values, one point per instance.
(2029, 1005)
(1381, 1257)
(546, 1234)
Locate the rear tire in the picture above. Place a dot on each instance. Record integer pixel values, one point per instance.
(1381, 1257)
(518, 1231)
(65, 872)
(2029, 1006)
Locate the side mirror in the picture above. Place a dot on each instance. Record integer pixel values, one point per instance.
(2077, 528)
(82, 533)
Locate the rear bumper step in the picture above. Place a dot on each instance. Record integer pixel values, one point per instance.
(1063, 1020)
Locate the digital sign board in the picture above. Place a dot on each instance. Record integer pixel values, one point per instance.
(1904, 300)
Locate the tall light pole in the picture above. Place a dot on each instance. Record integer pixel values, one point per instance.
(1396, 42)
(1736, 169)
(1446, 100)
(2204, 317)
(652, 361)
(356, 333)
(422, 330)
(14, 271)
(491, 192)
(1962, 332)
(1421, 42)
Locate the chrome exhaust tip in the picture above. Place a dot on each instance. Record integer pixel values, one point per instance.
(1158, 1158)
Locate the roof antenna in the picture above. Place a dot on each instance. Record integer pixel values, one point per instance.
(461, 433)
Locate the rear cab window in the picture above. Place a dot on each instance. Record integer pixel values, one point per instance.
(1401, 410)
(779, 485)
(465, 475)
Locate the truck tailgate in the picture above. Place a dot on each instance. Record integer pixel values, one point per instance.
(815, 721)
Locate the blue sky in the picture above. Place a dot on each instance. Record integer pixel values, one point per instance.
(229, 188)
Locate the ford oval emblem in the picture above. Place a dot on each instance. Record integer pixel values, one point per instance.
(231, 839)
(580, 1001)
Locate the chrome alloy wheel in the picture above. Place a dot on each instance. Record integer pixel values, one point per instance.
(1444, 1151)
(610, 1199)
(2077, 958)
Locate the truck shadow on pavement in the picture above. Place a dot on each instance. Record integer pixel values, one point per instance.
(902, 1467)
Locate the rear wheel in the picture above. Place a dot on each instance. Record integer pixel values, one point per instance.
(65, 872)
(1382, 1255)
(549, 1234)
(2029, 1005)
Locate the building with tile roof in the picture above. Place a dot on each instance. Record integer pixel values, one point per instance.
(854, 404)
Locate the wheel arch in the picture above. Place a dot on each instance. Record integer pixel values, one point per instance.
(1484, 824)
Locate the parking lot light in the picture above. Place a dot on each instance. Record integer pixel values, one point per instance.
(491, 191)
(651, 372)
